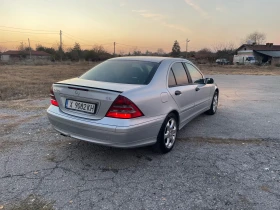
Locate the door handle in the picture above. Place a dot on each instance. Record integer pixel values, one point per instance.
(197, 89)
(178, 92)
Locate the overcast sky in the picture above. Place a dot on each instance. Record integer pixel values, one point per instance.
(147, 24)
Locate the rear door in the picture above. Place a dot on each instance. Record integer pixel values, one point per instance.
(202, 90)
(181, 91)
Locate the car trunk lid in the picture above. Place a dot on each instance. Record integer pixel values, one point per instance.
(91, 95)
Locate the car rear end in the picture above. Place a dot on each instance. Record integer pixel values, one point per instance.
(95, 107)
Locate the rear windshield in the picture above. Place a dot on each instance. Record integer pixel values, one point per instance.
(125, 72)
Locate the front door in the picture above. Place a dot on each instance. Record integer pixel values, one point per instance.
(202, 90)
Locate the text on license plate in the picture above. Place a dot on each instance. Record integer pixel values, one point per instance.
(80, 106)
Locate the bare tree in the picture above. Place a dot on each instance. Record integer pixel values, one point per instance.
(205, 55)
(160, 51)
(223, 46)
(256, 37)
(22, 47)
(99, 49)
(121, 53)
(224, 50)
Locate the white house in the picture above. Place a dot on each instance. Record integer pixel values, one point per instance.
(262, 53)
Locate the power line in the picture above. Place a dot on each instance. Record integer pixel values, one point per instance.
(151, 47)
(12, 41)
(82, 43)
(126, 45)
(86, 44)
(41, 41)
(74, 37)
(25, 29)
(23, 32)
(38, 42)
(106, 43)
(94, 44)
(69, 35)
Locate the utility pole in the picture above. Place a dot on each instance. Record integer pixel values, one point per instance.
(60, 48)
(114, 48)
(187, 42)
(29, 49)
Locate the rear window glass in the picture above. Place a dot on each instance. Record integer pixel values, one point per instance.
(171, 79)
(180, 74)
(125, 72)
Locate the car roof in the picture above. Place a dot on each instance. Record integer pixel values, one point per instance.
(155, 59)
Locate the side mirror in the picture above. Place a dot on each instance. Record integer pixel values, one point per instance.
(209, 81)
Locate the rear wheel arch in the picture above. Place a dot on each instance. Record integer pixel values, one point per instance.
(217, 90)
(176, 113)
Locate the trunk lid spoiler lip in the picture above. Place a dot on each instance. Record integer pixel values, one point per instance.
(93, 88)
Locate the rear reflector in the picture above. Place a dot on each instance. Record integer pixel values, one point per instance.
(123, 108)
(53, 100)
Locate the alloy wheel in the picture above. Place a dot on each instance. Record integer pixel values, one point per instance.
(170, 133)
(215, 103)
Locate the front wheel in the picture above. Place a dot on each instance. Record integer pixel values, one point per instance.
(214, 104)
(167, 134)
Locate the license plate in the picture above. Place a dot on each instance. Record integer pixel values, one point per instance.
(80, 106)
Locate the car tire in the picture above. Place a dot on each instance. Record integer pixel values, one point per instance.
(167, 135)
(214, 104)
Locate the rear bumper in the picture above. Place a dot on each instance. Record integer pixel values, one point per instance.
(107, 131)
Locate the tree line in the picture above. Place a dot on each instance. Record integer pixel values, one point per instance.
(98, 52)
(75, 53)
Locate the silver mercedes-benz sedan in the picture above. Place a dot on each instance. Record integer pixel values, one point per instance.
(132, 101)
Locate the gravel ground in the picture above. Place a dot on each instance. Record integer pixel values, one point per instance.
(226, 161)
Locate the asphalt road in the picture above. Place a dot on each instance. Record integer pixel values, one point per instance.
(226, 161)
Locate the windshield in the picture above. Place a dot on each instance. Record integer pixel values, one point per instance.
(250, 58)
(125, 72)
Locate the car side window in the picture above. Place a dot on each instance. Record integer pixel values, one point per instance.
(171, 79)
(180, 74)
(195, 74)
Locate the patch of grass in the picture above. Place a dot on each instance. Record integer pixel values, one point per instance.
(32, 202)
(29, 81)
(7, 145)
(51, 158)
(265, 188)
(60, 143)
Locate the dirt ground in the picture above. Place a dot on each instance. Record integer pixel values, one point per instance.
(26, 81)
(230, 160)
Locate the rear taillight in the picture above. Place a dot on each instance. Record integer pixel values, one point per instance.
(124, 108)
(53, 100)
